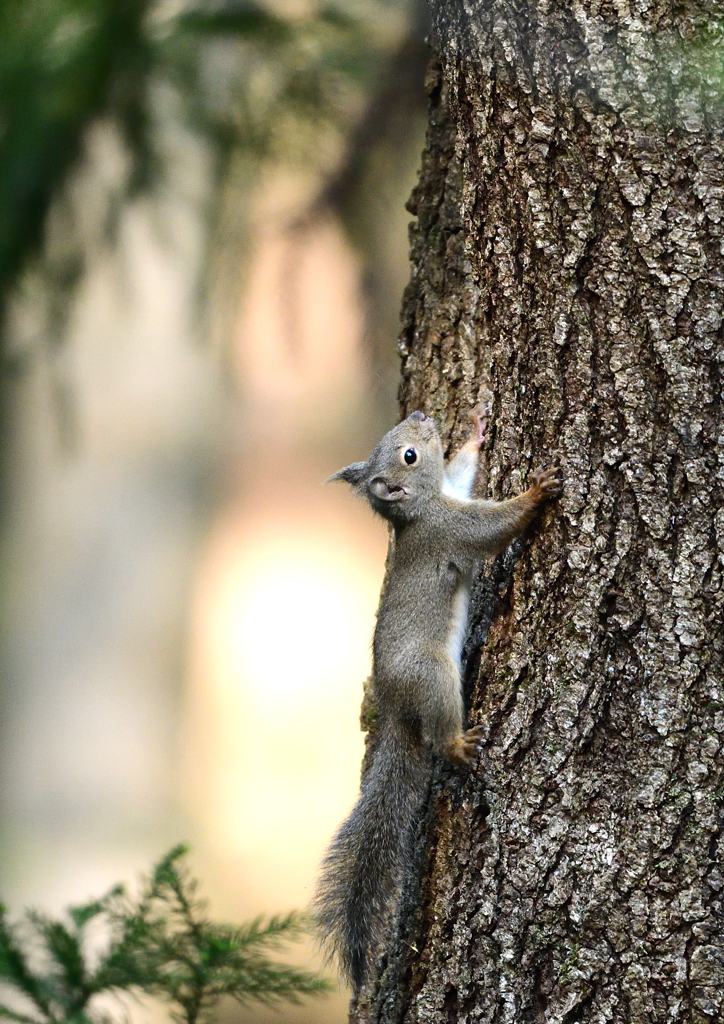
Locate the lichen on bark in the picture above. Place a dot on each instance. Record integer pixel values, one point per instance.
(567, 254)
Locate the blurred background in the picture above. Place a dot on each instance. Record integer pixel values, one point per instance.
(203, 247)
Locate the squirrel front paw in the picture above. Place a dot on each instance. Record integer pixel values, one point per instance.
(548, 481)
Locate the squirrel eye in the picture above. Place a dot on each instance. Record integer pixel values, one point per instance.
(410, 456)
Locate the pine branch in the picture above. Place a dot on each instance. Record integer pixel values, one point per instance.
(161, 943)
(15, 972)
(71, 62)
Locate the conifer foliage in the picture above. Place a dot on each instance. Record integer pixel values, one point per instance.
(159, 942)
(241, 76)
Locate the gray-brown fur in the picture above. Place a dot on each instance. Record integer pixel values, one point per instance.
(439, 534)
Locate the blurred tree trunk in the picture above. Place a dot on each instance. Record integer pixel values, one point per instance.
(568, 255)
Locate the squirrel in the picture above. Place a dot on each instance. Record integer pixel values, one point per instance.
(439, 534)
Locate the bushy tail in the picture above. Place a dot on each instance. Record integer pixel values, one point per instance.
(366, 860)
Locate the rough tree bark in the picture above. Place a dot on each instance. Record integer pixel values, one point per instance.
(567, 254)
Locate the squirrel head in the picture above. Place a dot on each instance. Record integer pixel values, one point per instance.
(404, 470)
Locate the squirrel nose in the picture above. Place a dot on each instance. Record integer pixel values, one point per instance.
(417, 417)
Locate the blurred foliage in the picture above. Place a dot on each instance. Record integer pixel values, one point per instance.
(245, 76)
(159, 943)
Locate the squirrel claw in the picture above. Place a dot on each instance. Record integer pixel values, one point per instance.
(466, 749)
(548, 480)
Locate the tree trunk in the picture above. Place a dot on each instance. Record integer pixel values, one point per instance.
(568, 255)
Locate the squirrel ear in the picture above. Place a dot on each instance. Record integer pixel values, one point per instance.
(385, 490)
(353, 474)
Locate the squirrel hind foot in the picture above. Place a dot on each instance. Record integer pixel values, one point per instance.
(465, 749)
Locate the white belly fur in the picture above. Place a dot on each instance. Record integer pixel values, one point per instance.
(459, 489)
(458, 622)
(460, 486)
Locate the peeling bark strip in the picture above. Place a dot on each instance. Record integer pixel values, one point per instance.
(568, 255)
